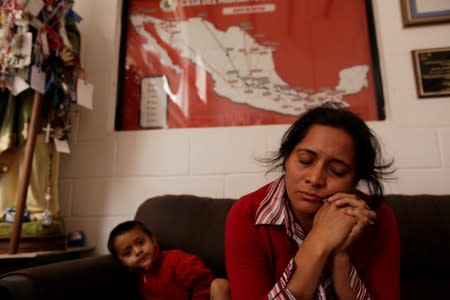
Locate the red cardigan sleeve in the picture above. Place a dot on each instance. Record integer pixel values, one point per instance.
(382, 275)
(247, 267)
(193, 274)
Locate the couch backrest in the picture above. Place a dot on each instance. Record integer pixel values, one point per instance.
(193, 224)
(196, 225)
(424, 228)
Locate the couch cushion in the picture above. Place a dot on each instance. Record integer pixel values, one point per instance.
(193, 224)
(424, 234)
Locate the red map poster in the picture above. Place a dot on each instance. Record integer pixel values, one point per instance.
(209, 63)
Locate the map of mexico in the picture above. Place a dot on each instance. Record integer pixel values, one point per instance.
(232, 62)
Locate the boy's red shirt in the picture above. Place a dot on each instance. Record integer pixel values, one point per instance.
(175, 274)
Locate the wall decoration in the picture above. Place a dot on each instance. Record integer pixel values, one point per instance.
(209, 63)
(421, 12)
(432, 70)
(41, 84)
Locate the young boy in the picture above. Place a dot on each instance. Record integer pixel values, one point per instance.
(171, 274)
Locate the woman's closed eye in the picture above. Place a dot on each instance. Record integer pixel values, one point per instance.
(306, 162)
(339, 170)
(306, 158)
(337, 173)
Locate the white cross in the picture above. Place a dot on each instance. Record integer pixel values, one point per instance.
(48, 129)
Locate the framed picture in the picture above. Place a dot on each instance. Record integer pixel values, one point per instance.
(421, 12)
(214, 63)
(432, 71)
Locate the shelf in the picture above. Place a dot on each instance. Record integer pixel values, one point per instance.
(69, 250)
(11, 262)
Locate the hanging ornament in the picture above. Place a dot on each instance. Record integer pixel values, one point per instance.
(47, 216)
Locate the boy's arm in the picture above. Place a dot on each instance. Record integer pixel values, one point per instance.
(194, 276)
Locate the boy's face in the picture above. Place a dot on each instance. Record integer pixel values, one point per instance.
(135, 249)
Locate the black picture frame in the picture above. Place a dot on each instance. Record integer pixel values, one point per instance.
(432, 72)
(376, 70)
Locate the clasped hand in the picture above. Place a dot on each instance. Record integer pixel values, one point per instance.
(341, 219)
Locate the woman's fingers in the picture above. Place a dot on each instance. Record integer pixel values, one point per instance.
(361, 219)
(348, 205)
(362, 215)
(356, 207)
(332, 225)
(343, 199)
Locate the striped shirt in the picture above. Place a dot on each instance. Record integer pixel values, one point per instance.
(274, 210)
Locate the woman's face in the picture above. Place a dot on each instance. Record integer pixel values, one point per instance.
(320, 165)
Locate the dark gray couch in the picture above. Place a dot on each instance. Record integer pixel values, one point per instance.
(196, 225)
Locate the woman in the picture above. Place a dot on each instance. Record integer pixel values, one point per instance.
(311, 234)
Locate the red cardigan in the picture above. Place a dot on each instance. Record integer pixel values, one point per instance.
(256, 256)
(176, 275)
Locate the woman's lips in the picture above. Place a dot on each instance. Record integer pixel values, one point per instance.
(311, 197)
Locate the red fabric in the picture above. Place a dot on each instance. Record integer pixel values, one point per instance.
(176, 275)
(256, 256)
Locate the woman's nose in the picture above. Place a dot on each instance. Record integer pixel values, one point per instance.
(316, 176)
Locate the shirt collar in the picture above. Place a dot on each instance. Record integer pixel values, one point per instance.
(271, 210)
(274, 209)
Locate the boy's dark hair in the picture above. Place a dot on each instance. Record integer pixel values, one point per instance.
(121, 229)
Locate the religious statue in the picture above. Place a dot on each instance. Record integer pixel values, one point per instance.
(39, 52)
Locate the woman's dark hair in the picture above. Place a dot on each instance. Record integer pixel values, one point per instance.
(121, 229)
(369, 166)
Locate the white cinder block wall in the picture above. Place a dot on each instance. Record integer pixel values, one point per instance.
(108, 174)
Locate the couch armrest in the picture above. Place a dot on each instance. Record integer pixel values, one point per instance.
(74, 279)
